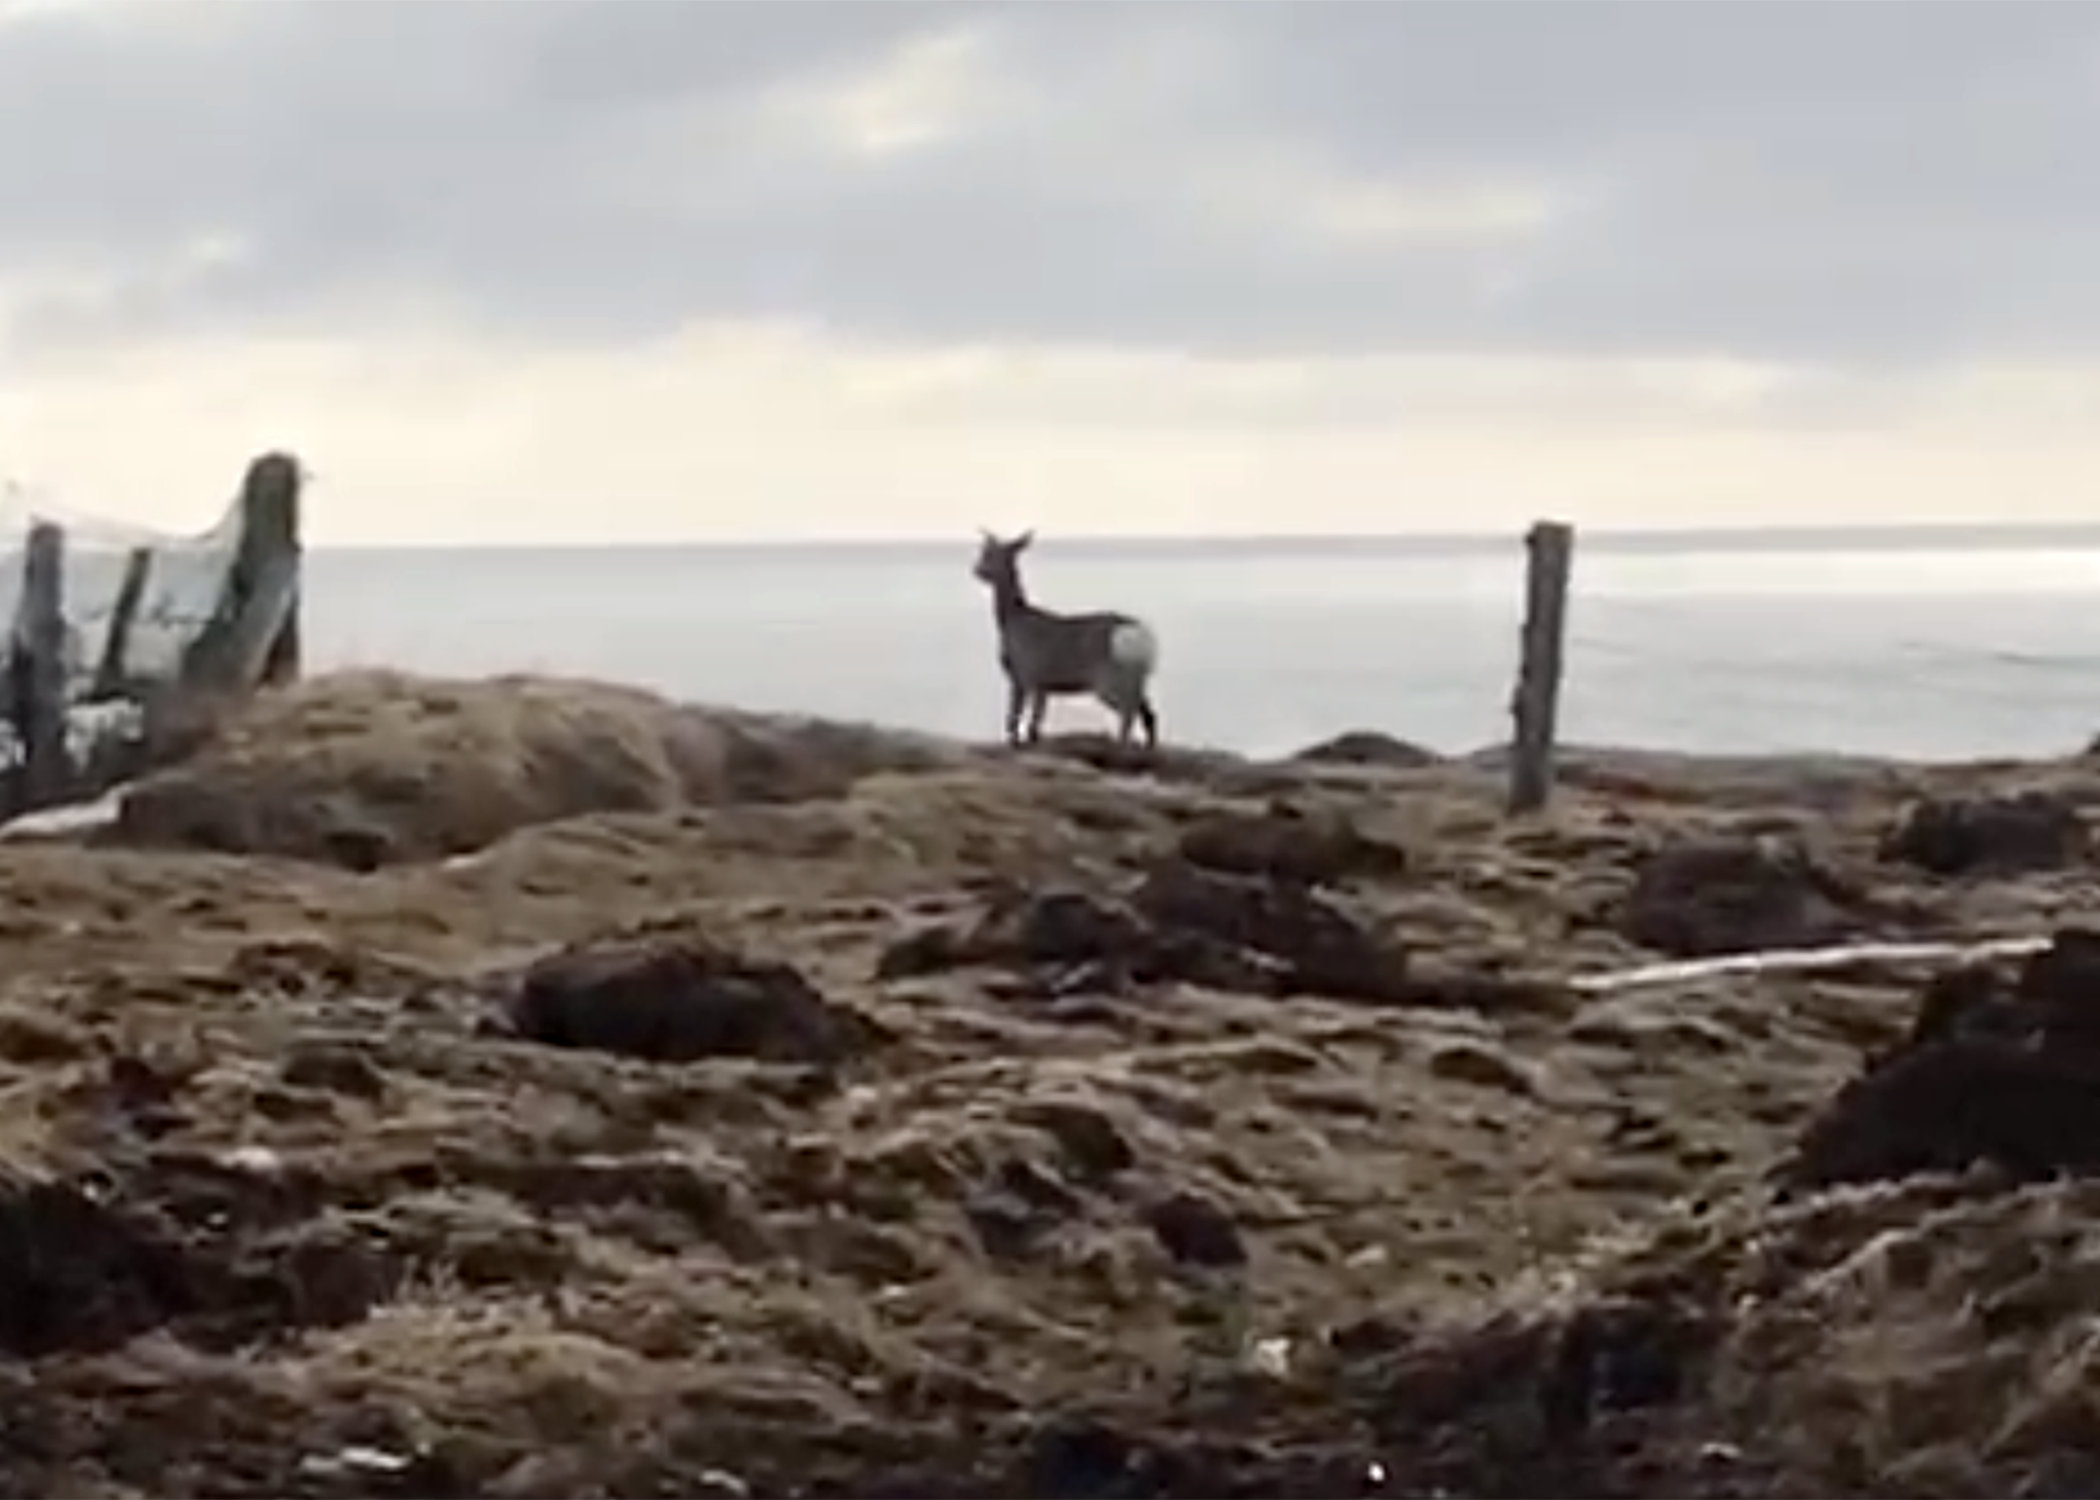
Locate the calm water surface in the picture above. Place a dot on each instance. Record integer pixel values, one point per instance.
(1923, 646)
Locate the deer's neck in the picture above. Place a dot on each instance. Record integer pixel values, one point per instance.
(1010, 601)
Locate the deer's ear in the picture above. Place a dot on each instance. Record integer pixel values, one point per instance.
(1024, 539)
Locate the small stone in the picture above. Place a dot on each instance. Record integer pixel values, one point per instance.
(1484, 1067)
(262, 1161)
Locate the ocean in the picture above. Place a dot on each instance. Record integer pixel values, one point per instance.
(1931, 645)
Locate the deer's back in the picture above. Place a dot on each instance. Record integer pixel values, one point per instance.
(1060, 653)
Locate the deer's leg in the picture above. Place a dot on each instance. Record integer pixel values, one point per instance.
(1127, 699)
(1038, 704)
(1124, 705)
(1016, 701)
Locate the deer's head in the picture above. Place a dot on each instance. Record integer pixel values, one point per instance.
(999, 562)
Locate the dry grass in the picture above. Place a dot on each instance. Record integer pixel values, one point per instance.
(370, 768)
(520, 1270)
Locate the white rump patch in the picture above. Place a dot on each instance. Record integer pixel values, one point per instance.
(1135, 647)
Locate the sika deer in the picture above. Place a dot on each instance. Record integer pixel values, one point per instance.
(1047, 655)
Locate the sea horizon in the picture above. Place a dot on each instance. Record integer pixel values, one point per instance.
(1848, 537)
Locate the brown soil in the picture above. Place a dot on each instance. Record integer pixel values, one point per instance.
(533, 1088)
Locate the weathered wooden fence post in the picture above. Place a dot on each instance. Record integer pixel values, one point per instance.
(1549, 551)
(270, 514)
(253, 634)
(40, 679)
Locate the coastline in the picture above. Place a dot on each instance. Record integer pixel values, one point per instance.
(1067, 1124)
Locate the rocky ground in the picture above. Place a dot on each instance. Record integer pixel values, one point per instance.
(530, 1088)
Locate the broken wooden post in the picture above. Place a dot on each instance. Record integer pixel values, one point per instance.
(1549, 551)
(113, 671)
(40, 678)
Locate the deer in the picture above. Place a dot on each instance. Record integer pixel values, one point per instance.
(1046, 655)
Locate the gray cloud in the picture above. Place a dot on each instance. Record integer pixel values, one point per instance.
(1845, 184)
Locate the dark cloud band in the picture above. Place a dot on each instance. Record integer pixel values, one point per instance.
(1858, 185)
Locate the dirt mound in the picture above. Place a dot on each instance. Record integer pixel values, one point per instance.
(366, 769)
(1696, 897)
(1368, 747)
(1996, 1072)
(1923, 1340)
(2030, 830)
(1179, 924)
(212, 1252)
(678, 1001)
(1178, 764)
(1287, 843)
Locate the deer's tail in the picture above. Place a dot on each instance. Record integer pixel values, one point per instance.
(1134, 648)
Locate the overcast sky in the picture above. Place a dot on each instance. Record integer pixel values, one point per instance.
(633, 269)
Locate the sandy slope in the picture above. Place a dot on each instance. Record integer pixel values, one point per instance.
(1193, 1128)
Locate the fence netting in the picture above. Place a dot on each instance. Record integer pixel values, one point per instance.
(182, 583)
(177, 581)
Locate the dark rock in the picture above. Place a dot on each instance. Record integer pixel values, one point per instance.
(1103, 753)
(1302, 942)
(1367, 747)
(1180, 924)
(37, 1040)
(1061, 927)
(323, 1278)
(1992, 1072)
(1620, 1354)
(143, 1093)
(82, 1275)
(334, 1068)
(2064, 977)
(1088, 1138)
(1051, 927)
(2026, 831)
(1488, 993)
(679, 1001)
(1079, 1456)
(359, 849)
(219, 1257)
(1012, 1224)
(1196, 1231)
(1952, 1104)
(1704, 897)
(1484, 1067)
(1952, 1001)
(931, 949)
(1286, 844)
